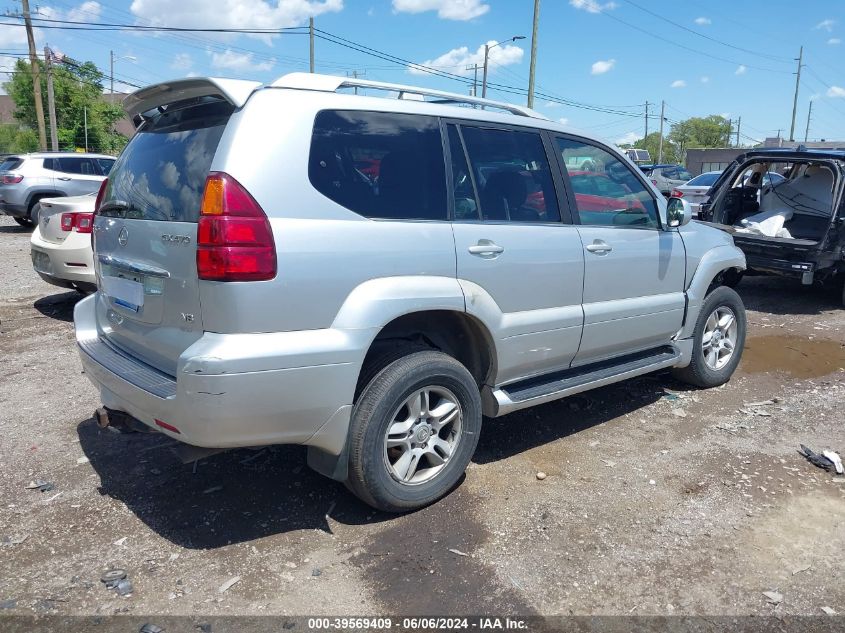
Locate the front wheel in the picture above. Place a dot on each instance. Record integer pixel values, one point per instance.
(718, 340)
(413, 432)
(22, 221)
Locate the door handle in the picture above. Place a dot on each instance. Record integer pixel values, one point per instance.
(599, 246)
(62, 178)
(486, 248)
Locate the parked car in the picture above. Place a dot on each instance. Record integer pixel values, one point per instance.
(375, 321)
(61, 243)
(27, 179)
(695, 190)
(667, 177)
(792, 225)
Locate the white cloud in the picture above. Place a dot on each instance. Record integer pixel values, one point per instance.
(85, 12)
(826, 25)
(836, 92)
(602, 66)
(628, 138)
(457, 59)
(679, 83)
(702, 21)
(833, 41)
(446, 9)
(741, 70)
(563, 120)
(182, 61)
(705, 79)
(551, 104)
(593, 6)
(815, 96)
(232, 60)
(238, 14)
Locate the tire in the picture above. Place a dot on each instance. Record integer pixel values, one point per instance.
(22, 221)
(376, 471)
(34, 212)
(701, 372)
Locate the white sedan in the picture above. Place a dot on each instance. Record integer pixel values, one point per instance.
(61, 243)
(695, 190)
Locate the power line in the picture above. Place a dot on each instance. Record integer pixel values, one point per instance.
(776, 58)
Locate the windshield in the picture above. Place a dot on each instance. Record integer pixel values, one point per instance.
(161, 173)
(704, 180)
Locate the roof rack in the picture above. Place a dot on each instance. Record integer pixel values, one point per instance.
(331, 83)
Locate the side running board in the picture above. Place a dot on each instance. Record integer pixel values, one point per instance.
(542, 389)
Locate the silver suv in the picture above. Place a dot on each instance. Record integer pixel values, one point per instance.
(26, 179)
(366, 276)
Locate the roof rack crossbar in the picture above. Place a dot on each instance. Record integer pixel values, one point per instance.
(331, 83)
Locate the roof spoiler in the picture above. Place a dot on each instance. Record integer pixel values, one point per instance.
(235, 91)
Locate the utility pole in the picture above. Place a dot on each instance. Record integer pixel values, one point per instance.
(646, 120)
(36, 77)
(85, 119)
(311, 42)
(474, 68)
(809, 114)
(51, 99)
(533, 65)
(738, 124)
(111, 74)
(795, 99)
(355, 74)
(730, 132)
(484, 79)
(660, 147)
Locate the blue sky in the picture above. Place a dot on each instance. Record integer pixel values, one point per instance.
(719, 57)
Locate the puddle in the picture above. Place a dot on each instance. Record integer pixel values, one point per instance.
(799, 357)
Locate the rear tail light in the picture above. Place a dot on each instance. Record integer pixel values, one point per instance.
(100, 194)
(79, 222)
(677, 193)
(654, 182)
(12, 179)
(234, 238)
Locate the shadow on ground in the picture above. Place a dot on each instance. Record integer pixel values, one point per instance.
(59, 306)
(15, 228)
(782, 296)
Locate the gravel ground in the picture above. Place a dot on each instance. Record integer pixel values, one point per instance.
(659, 499)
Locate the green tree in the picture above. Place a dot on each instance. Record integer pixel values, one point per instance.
(711, 131)
(652, 144)
(79, 95)
(15, 138)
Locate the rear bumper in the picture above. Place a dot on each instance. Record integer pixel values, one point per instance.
(70, 261)
(235, 390)
(15, 210)
(785, 267)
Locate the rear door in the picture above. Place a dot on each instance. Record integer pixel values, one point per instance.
(146, 228)
(512, 244)
(77, 175)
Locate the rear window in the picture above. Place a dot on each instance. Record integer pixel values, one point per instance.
(704, 180)
(12, 162)
(161, 173)
(379, 164)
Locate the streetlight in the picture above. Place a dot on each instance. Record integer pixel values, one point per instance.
(114, 59)
(487, 49)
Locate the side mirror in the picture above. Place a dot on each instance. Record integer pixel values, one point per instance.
(678, 212)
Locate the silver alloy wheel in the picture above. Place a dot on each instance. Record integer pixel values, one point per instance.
(423, 435)
(720, 335)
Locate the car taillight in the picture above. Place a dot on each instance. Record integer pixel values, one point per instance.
(12, 179)
(654, 182)
(677, 193)
(81, 222)
(234, 238)
(100, 195)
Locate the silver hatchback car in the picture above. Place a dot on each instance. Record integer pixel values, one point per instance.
(294, 263)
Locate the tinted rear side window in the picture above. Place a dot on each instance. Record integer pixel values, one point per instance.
(10, 163)
(161, 173)
(74, 165)
(380, 165)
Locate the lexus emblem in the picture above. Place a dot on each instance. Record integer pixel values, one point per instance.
(123, 236)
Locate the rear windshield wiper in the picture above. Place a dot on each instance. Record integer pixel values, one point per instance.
(114, 208)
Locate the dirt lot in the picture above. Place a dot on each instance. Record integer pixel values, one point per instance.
(659, 499)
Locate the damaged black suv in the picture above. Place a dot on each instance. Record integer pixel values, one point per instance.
(793, 226)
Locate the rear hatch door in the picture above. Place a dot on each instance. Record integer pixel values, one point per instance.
(146, 228)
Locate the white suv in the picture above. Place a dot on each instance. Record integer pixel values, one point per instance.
(367, 276)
